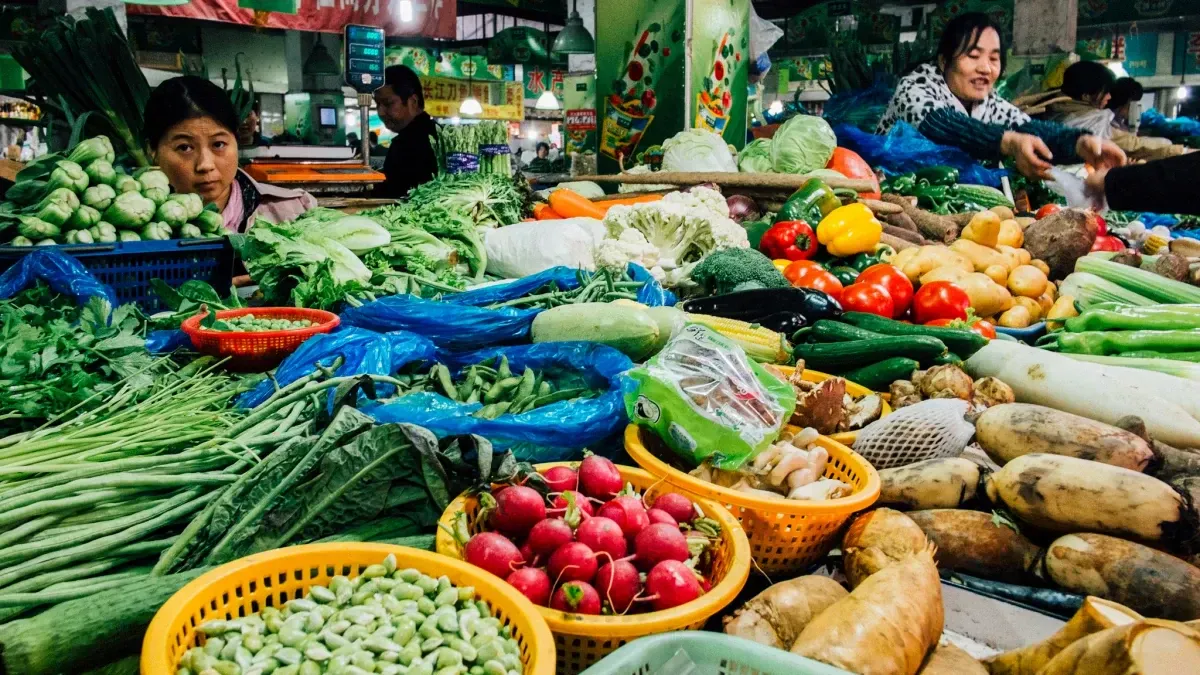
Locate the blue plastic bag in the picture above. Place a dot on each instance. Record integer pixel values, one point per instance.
(363, 352)
(1154, 124)
(903, 149)
(59, 271)
(554, 432)
(860, 108)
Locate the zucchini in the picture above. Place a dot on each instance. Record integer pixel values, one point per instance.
(833, 357)
(961, 342)
(626, 329)
(880, 375)
(836, 331)
(985, 196)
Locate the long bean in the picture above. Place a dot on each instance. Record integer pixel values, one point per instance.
(115, 481)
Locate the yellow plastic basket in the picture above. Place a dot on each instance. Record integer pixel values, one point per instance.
(786, 536)
(582, 640)
(270, 579)
(854, 389)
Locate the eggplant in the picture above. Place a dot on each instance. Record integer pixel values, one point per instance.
(755, 305)
(784, 322)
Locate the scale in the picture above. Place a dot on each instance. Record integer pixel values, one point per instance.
(323, 170)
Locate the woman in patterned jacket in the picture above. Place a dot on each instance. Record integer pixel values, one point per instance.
(953, 102)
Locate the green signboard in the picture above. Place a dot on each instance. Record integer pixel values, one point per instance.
(1001, 12)
(1186, 58)
(579, 114)
(539, 78)
(812, 28)
(720, 44)
(1140, 54)
(446, 64)
(639, 76)
(1096, 12)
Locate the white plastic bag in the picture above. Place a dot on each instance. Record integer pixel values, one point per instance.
(521, 249)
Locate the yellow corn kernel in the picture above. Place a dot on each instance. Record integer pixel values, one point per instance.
(761, 344)
(1155, 243)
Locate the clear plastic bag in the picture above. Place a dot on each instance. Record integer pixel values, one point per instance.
(926, 430)
(59, 271)
(707, 400)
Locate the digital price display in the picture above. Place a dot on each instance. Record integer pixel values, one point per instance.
(364, 57)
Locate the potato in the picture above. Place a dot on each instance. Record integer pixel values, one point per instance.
(1015, 317)
(1093, 616)
(951, 273)
(1157, 584)
(1147, 647)
(942, 483)
(1068, 494)
(983, 229)
(877, 539)
(1003, 212)
(1034, 307)
(776, 616)
(1045, 303)
(929, 257)
(1064, 308)
(1028, 281)
(998, 274)
(987, 297)
(1006, 432)
(1025, 221)
(982, 257)
(1041, 265)
(946, 659)
(978, 543)
(1011, 234)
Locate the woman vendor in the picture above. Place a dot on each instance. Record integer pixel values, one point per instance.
(191, 127)
(953, 102)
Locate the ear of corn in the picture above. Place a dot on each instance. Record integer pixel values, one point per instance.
(761, 344)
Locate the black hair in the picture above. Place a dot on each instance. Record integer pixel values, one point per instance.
(373, 137)
(405, 83)
(1087, 78)
(185, 98)
(1123, 91)
(962, 34)
(541, 145)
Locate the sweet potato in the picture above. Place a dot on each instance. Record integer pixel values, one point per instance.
(885, 626)
(877, 539)
(1146, 647)
(776, 616)
(946, 659)
(1067, 494)
(931, 226)
(1094, 616)
(977, 543)
(1006, 432)
(1154, 583)
(1061, 239)
(943, 483)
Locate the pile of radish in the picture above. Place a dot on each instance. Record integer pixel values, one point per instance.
(592, 545)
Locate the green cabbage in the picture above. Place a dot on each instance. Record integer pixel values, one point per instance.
(756, 157)
(803, 144)
(697, 150)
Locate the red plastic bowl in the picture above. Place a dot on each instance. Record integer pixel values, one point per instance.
(260, 350)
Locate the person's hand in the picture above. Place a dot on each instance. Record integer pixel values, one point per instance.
(1094, 185)
(1029, 152)
(1101, 154)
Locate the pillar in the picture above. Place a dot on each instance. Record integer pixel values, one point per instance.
(1043, 27)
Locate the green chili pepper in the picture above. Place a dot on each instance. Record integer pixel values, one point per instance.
(1134, 318)
(1107, 343)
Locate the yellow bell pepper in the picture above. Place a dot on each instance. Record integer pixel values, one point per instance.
(781, 264)
(848, 230)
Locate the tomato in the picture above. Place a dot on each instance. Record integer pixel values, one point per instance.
(808, 274)
(899, 288)
(635, 71)
(1047, 210)
(975, 325)
(940, 300)
(867, 297)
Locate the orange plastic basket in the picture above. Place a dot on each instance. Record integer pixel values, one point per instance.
(272, 578)
(582, 640)
(786, 536)
(852, 388)
(258, 350)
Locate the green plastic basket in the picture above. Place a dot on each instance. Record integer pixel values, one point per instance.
(712, 654)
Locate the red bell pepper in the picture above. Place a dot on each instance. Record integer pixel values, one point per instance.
(790, 240)
(1108, 242)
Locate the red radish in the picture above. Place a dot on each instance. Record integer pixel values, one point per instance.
(599, 477)
(602, 535)
(560, 478)
(517, 509)
(660, 516)
(572, 562)
(546, 536)
(494, 553)
(618, 583)
(681, 508)
(527, 554)
(576, 596)
(628, 513)
(671, 584)
(532, 583)
(559, 507)
(660, 542)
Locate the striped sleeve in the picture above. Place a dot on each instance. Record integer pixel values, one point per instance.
(947, 126)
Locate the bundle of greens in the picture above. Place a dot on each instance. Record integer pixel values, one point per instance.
(487, 200)
(482, 147)
(450, 227)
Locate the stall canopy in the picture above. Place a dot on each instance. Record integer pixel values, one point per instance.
(430, 18)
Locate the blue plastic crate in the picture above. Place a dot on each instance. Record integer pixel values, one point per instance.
(129, 266)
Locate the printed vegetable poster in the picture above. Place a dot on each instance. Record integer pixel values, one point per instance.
(718, 64)
(639, 76)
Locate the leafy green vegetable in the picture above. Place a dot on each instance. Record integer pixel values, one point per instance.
(697, 150)
(487, 200)
(756, 157)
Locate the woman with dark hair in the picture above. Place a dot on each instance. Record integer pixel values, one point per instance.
(1081, 101)
(192, 127)
(1124, 92)
(954, 102)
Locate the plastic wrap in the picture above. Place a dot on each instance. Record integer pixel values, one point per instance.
(903, 149)
(558, 431)
(57, 270)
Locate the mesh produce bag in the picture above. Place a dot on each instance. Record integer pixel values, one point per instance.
(926, 430)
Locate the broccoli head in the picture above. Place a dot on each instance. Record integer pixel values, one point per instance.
(736, 269)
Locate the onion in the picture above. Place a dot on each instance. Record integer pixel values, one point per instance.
(742, 208)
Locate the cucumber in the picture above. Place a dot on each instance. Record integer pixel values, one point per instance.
(627, 329)
(961, 342)
(826, 330)
(832, 357)
(879, 376)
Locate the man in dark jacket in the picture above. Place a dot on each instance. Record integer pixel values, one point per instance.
(1160, 186)
(411, 159)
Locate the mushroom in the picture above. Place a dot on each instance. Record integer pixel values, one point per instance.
(823, 489)
(800, 478)
(792, 460)
(862, 412)
(904, 393)
(945, 381)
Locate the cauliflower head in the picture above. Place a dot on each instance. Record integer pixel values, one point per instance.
(683, 227)
(629, 247)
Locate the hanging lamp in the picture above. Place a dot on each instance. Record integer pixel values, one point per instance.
(574, 38)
